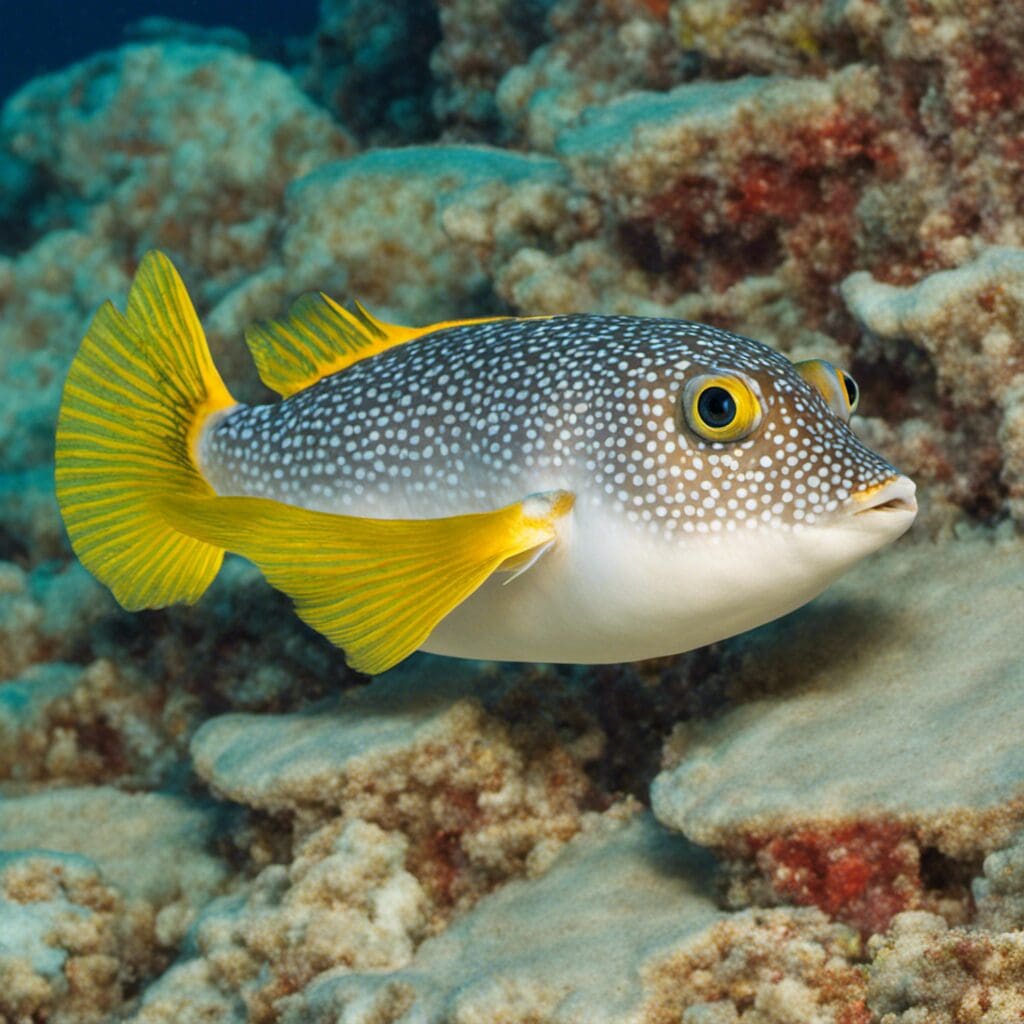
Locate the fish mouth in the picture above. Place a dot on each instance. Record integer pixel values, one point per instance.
(894, 496)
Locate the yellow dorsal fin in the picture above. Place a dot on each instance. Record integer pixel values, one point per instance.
(319, 337)
(376, 587)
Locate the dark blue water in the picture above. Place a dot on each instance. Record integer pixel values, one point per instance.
(37, 36)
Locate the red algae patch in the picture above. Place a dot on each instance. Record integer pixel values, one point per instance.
(711, 175)
(862, 874)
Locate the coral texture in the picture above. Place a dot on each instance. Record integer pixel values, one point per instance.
(924, 970)
(69, 948)
(848, 836)
(970, 321)
(625, 893)
(480, 803)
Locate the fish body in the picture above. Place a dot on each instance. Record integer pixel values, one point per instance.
(664, 484)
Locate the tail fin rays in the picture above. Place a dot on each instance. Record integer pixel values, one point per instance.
(139, 390)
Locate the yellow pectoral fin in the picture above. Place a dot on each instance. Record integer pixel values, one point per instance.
(375, 587)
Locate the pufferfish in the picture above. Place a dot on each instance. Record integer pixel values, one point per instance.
(571, 488)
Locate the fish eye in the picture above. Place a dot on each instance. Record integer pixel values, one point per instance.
(720, 407)
(837, 387)
(852, 391)
(716, 407)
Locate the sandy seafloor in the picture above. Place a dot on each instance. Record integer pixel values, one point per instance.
(205, 816)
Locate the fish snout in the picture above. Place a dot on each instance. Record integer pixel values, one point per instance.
(893, 498)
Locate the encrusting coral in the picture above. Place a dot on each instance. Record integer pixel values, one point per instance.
(69, 948)
(418, 229)
(761, 967)
(478, 802)
(999, 893)
(205, 816)
(848, 831)
(215, 136)
(924, 970)
(346, 900)
(970, 321)
(539, 949)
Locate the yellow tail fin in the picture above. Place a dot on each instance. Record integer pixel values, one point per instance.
(138, 391)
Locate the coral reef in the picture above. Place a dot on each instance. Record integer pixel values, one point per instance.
(480, 43)
(182, 146)
(369, 64)
(999, 893)
(80, 928)
(718, 181)
(201, 174)
(780, 966)
(204, 815)
(924, 970)
(449, 215)
(539, 949)
(69, 948)
(970, 321)
(346, 900)
(478, 802)
(595, 53)
(151, 846)
(849, 835)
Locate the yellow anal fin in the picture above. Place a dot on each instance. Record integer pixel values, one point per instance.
(319, 337)
(375, 587)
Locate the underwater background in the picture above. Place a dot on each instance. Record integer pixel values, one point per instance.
(206, 816)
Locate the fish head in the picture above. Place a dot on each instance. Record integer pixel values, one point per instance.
(756, 477)
(770, 441)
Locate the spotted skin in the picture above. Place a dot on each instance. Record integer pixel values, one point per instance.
(475, 417)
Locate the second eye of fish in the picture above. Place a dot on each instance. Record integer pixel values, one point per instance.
(852, 391)
(837, 387)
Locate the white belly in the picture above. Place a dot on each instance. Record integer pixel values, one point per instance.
(609, 592)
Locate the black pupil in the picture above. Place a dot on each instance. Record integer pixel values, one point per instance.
(716, 407)
(851, 389)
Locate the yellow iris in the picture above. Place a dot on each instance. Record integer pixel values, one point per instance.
(721, 407)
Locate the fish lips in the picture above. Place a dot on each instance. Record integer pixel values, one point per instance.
(890, 506)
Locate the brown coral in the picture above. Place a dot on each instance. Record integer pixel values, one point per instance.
(81, 948)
